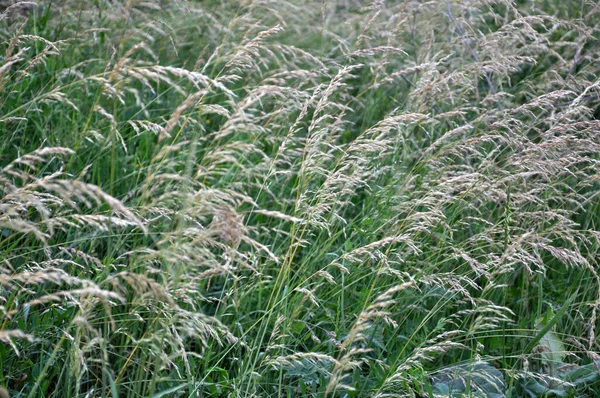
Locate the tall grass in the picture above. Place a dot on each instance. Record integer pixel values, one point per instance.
(299, 198)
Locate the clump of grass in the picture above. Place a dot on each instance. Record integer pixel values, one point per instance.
(298, 198)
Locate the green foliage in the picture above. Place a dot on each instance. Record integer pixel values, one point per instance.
(299, 198)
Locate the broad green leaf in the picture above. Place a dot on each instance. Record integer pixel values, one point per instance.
(542, 332)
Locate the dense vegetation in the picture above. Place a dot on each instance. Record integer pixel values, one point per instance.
(299, 198)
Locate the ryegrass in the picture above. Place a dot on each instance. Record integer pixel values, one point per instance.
(299, 198)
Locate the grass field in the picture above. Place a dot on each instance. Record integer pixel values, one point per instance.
(303, 198)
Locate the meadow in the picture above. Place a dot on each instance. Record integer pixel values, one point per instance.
(299, 198)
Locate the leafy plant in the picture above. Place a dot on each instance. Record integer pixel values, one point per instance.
(299, 198)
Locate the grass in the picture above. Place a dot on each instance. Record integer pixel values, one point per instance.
(299, 198)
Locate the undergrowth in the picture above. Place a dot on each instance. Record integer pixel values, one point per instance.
(299, 198)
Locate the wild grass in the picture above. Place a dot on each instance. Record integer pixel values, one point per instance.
(299, 198)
